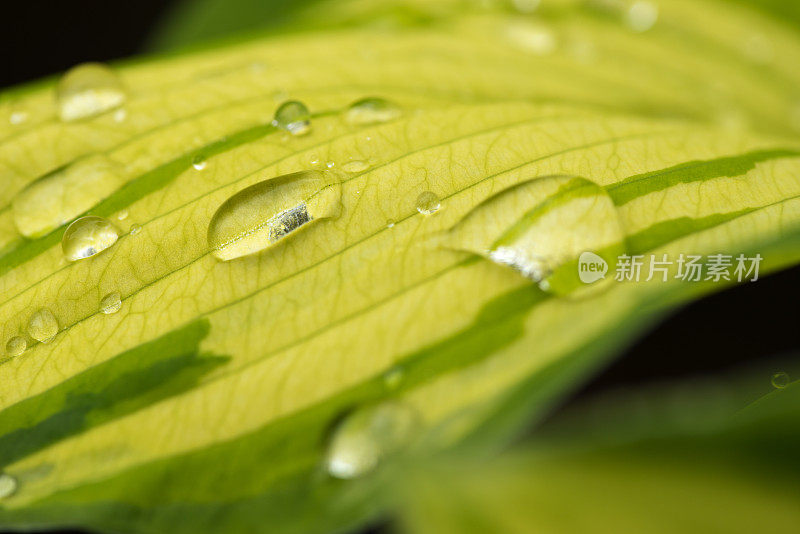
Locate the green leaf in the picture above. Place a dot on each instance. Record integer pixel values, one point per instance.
(208, 400)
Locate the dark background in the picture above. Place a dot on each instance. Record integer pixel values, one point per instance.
(753, 324)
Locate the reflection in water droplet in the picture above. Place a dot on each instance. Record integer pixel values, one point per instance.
(428, 203)
(43, 326)
(641, 15)
(135, 229)
(294, 117)
(355, 166)
(367, 436)
(260, 216)
(8, 485)
(541, 228)
(780, 380)
(62, 195)
(111, 303)
(531, 37)
(87, 237)
(16, 346)
(88, 90)
(372, 110)
(199, 163)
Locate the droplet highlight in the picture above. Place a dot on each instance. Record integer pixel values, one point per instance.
(294, 117)
(43, 326)
(263, 215)
(8, 485)
(546, 229)
(111, 303)
(428, 203)
(780, 380)
(60, 196)
(88, 90)
(368, 436)
(87, 237)
(372, 110)
(16, 346)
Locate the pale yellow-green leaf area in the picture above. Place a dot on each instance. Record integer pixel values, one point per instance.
(685, 135)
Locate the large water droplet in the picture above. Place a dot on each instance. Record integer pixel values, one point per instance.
(372, 110)
(428, 203)
(546, 229)
(111, 303)
(87, 237)
(8, 485)
(16, 346)
(262, 215)
(641, 15)
(62, 195)
(294, 117)
(43, 326)
(780, 380)
(88, 90)
(367, 436)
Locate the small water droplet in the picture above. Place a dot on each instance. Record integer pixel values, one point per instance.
(18, 117)
(394, 377)
(330, 164)
(355, 166)
(641, 15)
(62, 195)
(372, 110)
(8, 485)
(525, 6)
(263, 214)
(390, 223)
(294, 117)
(43, 326)
(531, 37)
(135, 229)
(16, 346)
(544, 229)
(367, 436)
(87, 237)
(111, 303)
(428, 203)
(88, 90)
(122, 215)
(780, 380)
(199, 162)
(120, 115)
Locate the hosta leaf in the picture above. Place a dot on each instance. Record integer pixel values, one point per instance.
(207, 400)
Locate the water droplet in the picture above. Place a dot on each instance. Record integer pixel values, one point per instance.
(428, 203)
(355, 166)
(16, 346)
(780, 380)
(111, 303)
(199, 163)
(546, 229)
(122, 215)
(525, 6)
(135, 229)
(531, 37)
(18, 117)
(330, 164)
(367, 436)
(88, 90)
(87, 237)
(394, 377)
(8, 485)
(62, 195)
(372, 110)
(262, 215)
(641, 15)
(294, 117)
(120, 115)
(390, 223)
(43, 326)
